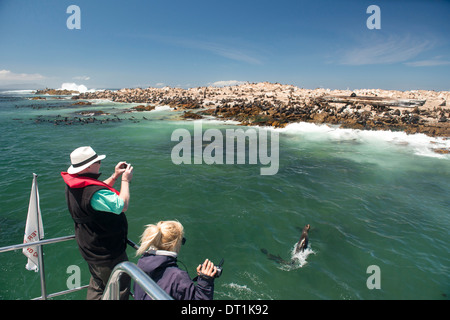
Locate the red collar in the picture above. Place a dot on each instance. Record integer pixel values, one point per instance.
(77, 181)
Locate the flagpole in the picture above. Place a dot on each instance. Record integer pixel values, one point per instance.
(40, 248)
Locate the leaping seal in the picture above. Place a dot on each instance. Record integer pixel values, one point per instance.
(302, 244)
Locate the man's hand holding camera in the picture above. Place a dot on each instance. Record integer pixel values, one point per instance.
(121, 168)
(126, 171)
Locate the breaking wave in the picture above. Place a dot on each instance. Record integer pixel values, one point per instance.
(75, 87)
(418, 144)
(298, 260)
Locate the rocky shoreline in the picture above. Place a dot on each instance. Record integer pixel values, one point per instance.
(273, 104)
(56, 92)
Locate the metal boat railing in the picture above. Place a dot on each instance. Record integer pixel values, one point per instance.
(137, 275)
(32, 244)
(39, 244)
(112, 288)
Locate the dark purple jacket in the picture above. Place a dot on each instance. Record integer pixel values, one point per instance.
(176, 282)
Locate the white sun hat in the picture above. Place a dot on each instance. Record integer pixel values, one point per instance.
(81, 158)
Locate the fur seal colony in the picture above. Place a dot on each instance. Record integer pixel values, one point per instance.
(274, 104)
(277, 105)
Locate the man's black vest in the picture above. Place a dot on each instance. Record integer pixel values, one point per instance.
(101, 236)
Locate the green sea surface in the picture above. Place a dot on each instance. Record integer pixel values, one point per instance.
(371, 198)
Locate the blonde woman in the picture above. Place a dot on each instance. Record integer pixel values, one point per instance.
(160, 244)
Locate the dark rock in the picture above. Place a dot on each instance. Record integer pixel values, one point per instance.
(82, 103)
(191, 115)
(141, 108)
(442, 151)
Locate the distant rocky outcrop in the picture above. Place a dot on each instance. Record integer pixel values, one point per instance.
(141, 108)
(56, 92)
(268, 104)
(82, 103)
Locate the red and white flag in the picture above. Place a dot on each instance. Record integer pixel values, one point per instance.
(34, 229)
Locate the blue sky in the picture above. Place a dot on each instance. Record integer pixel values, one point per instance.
(310, 44)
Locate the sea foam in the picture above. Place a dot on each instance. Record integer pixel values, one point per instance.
(162, 108)
(298, 260)
(420, 144)
(75, 87)
(18, 91)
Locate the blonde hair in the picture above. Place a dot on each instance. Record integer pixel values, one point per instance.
(165, 235)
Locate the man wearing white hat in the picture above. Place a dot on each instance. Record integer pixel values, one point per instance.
(98, 211)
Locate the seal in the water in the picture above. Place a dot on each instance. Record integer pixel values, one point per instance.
(303, 242)
(273, 257)
(299, 247)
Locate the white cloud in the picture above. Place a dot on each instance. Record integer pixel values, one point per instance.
(234, 51)
(8, 76)
(386, 50)
(228, 83)
(84, 78)
(437, 61)
(223, 50)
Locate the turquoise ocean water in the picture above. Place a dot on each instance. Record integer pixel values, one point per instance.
(371, 198)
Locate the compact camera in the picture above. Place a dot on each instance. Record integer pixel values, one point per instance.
(219, 268)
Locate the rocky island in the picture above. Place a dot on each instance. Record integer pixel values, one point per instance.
(273, 104)
(56, 92)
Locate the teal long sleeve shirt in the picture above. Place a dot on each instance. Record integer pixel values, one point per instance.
(106, 200)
